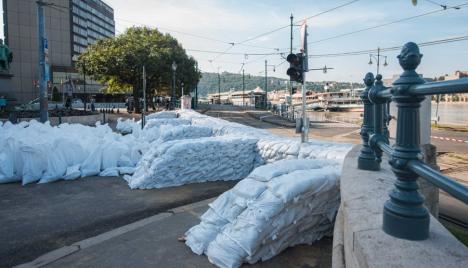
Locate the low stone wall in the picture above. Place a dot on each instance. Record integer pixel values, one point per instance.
(359, 239)
(85, 120)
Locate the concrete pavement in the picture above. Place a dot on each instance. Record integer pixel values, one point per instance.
(153, 243)
(38, 218)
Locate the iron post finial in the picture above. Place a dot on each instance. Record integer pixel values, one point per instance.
(409, 60)
(409, 57)
(369, 79)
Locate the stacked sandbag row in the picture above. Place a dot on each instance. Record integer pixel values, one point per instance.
(278, 205)
(32, 151)
(271, 150)
(183, 132)
(179, 162)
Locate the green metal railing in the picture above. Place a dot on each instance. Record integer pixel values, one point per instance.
(404, 214)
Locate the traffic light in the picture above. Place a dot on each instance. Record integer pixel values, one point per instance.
(296, 69)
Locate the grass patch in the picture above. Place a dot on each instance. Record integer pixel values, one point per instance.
(450, 127)
(461, 235)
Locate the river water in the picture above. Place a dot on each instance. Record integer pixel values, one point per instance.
(455, 113)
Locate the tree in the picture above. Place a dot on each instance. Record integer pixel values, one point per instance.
(119, 62)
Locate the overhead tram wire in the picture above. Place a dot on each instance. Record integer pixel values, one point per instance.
(287, 26)
(281, 28)
(193, 35)
(388, 23)
(369, 51)
(439, 4)
(56, 7)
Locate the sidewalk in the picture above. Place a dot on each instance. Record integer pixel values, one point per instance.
(152, 242)
(38, 218)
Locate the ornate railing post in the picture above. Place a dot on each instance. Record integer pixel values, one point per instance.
(367, 160)
(379, 116)
(404, 214)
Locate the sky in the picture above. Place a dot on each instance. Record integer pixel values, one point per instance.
(233, 21)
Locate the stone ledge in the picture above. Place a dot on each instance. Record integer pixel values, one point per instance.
(54, 121)
(363, 194)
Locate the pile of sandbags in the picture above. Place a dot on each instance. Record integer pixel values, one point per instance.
(278, 205)
(36, 152)
(178, 162)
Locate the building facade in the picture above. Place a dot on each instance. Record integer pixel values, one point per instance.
(70, 26)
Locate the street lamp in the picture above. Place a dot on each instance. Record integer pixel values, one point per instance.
(377, 57)
(174, 68)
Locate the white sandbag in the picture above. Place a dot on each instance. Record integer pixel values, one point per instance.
(225, 253)
(34, 163)
(125, 126)
(6, 167)
(111, 154)
(72, 173)
(56, 168)
(92, 165)
(199, 236)
(163, 114)
(109, 172)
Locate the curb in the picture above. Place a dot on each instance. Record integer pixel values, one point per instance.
(449, 139)
(65, 251)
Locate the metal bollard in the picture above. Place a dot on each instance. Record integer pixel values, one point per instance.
(13, 118)
(104, 118)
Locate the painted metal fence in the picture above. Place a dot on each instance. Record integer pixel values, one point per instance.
(404, 213)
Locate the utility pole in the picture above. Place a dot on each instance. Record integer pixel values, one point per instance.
(144, 98)
(219, 87)
(378, 60)
(42, 46)
(84, 84)
(290, 52)
(291, 46)
(243, 88)
(174, 68)
(196, 87)
(305, 66)
(266, 85)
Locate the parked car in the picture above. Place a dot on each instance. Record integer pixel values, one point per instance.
(34, 105)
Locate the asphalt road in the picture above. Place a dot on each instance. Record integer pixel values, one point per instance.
(38, 218)
(450, 145)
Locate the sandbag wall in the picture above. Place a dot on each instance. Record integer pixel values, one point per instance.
(278, 205)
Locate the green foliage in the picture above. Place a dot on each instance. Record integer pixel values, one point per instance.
(209, 83)
(119, 62)
(115, 87)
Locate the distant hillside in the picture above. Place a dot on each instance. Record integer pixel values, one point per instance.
(209, 83)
